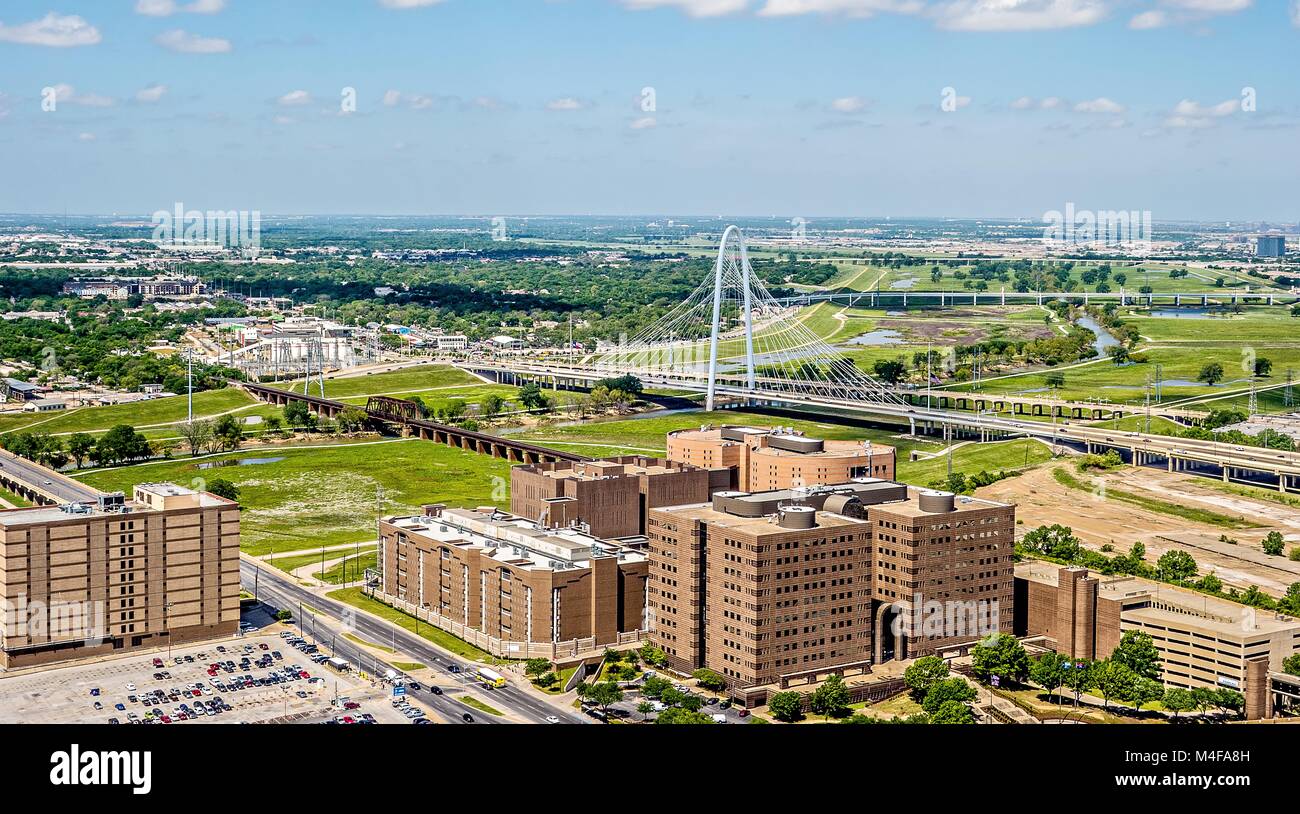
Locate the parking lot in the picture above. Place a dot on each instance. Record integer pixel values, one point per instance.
(253, 678)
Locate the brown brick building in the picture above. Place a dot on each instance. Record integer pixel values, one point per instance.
(1203, 641)
(773, 587)
(768, 459)
(609, 496)
(512, 579)
(87, 579)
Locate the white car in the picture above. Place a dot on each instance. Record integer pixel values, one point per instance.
(552, 719)
(130, 688)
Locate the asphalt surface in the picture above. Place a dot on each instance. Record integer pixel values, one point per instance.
(36, 476)
(276, 588)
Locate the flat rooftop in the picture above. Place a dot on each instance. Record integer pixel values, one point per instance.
(1169, 605)
(517, 540)
(756, 526)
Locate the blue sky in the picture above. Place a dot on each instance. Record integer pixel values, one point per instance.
(761, 107)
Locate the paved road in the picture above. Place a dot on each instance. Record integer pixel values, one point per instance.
(34, 476)
(275, 587)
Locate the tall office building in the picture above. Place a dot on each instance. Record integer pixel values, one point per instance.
(99, 577)
(775, 588)
(1270, 246)
(610, 497)
(764, 459)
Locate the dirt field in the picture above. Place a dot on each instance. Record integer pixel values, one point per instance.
(1042, 500)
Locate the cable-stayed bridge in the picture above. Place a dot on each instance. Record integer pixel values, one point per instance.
(732, 339)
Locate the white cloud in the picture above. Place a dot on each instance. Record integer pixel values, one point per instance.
(1023, 103)
(392, 98)
(849, 8)
(1018, 15)
(185, 43)
(86, 137)
(849, 104)
(693, 8)
(643, 123)
(294, 98)
(1295, 12)
(52, 30)
(564, 104)
(166, 8)
(1187, 122)
(405, 4)
(1189, 108)
(1099, 105)
(1051, 103)
(66, 94)
(1148, 20)
(151, 94)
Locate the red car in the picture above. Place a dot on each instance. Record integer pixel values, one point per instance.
(304, 674)
(352, 705)
(264, 646)
(348, 719)
(166, 719)
(157, 662)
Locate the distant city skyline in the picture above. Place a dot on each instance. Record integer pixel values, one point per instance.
(815, 108)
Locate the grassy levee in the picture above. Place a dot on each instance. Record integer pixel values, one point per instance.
(1066, 478)
(326, 495)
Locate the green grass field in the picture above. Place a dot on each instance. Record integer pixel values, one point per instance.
(172, 410)
(974, 458)
(327, 496)
(358, 599)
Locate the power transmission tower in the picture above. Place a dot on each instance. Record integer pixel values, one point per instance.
(316, 357)
(1254, 401)
(1288, 398)
(1160, 378)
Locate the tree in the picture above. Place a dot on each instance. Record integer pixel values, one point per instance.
(273, 423)
(80, 446)
(121, 443)
(197, 435)
(1274, 544)
(1118, 354)
(1079, 679)
(1176, 566)
(536, 667)
(1137, 651)
(1144, 691)
(1230, 700)
(1205, 698)
(1055, 380)
(1000, 655)
(1263, 367)
(831, 698)
(655, 687)
(1178, 700)
(949, 689)
(923, 673)
(645, 708)
(223, 488)
(605, 694)
(786, 706)
(1291, 665)
(1056, 541)
(1114, 681)
(492, 404)
(531, 396)
(890, 371)
(677, 715)
(297, 414)
(709, 680)
(228, 432)
(1211, 373)
(352, 419)
(952, 712)
(1048, 671)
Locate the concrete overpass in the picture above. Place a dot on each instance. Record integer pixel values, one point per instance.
(41, 485)
(904, 298)
(1268, 467)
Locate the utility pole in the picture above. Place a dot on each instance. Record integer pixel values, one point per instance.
(189, 358)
